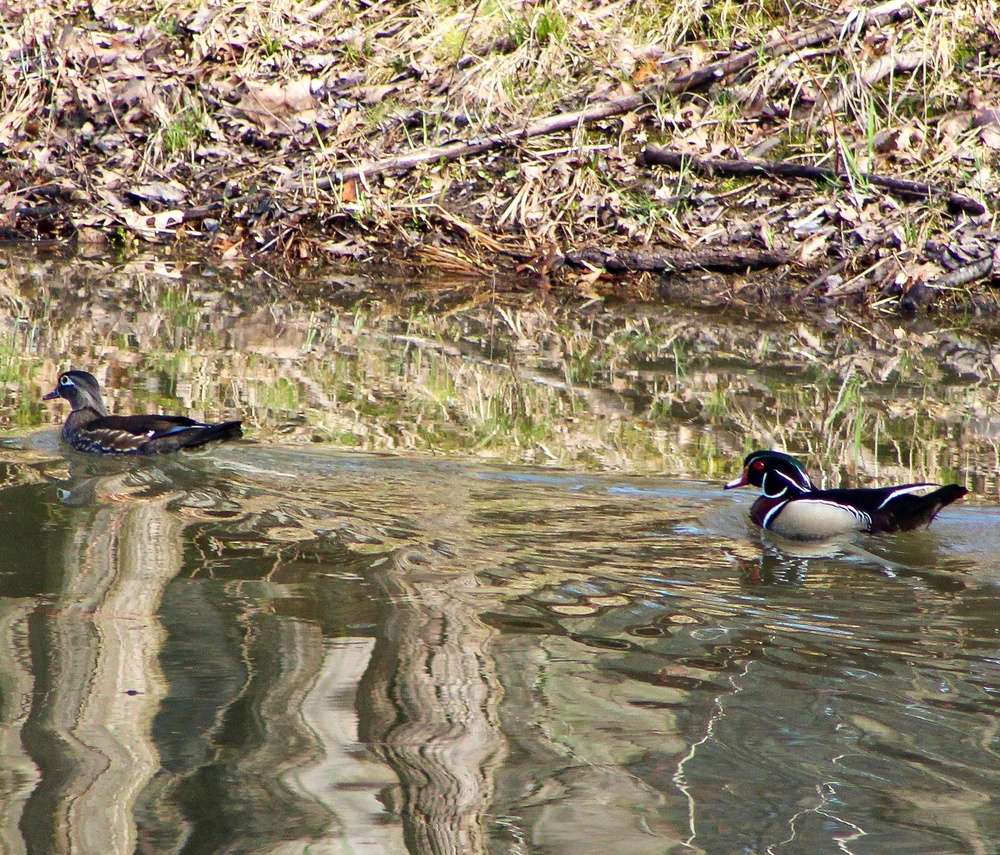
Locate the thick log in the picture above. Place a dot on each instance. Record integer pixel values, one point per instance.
(726, 259)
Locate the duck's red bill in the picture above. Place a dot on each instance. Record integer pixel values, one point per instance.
(737, 482)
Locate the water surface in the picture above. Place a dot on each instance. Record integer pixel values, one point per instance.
(471, 584)
(266, 649)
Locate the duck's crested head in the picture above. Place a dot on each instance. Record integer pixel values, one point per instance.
(81, 389)
(774, 472)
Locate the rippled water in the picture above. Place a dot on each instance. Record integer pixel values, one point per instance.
(279, 646)
(266, 649)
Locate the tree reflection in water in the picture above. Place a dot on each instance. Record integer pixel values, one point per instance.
(270, 648)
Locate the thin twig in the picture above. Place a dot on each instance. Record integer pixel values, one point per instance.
(718, 166)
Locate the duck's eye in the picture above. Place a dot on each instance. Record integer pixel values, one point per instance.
(758, 465)
(65, 381)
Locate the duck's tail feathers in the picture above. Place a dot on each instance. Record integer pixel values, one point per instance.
(912, 510)
(211, 433)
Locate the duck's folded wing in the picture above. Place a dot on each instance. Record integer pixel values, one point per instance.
(124, 434)
(899, 508)
(143, 426)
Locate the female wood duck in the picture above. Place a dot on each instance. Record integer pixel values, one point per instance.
(89, 427)
(792, 506)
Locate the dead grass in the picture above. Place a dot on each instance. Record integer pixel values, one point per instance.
(130, 116)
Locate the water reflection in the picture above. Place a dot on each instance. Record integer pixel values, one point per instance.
(272, 650)
(92, 645)
(664, 390)
(182, 680)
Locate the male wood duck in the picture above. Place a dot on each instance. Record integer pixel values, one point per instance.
(89, 427)
(792, 506)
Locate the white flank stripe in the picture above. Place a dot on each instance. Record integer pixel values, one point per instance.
(916, 489)
(771, 513)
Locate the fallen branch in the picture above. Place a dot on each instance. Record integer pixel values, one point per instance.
(726, 259)
(535, 128)
(718, 166)
(895, 10)
(203, 212)
(964, 275)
